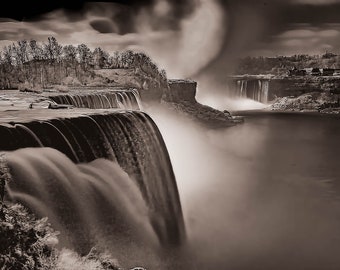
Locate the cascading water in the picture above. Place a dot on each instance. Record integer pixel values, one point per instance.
(122, 99)
(66, 169)
(265, 90)
(255, 89)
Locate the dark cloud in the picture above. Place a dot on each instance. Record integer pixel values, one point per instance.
(125, 19)
(103, 26)
(31, 9)
(313, 14)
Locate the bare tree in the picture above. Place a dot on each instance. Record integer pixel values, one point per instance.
(52, 49)
(70, 57)
(115, 59)
(84, 55)
(35, 50)
(53, 52)
(21, 50)
(8, 56)
(127, 58)
(100, 58)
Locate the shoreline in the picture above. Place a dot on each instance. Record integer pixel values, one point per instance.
(282, 112)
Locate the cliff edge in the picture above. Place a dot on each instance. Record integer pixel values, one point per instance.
(180, 96)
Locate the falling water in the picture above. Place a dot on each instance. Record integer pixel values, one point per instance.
(255, 89)
(98, 195)
(265, 90)
(82, 201)
(123, 99)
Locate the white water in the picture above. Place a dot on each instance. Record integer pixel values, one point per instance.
(222, 102)
(91, 204)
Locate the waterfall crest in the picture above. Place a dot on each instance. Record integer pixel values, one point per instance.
(121, 99)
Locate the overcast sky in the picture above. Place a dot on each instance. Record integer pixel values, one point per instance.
(183, 36)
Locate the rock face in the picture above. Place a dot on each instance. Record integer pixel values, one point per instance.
(180, 96)
(181, 90)
(296, 86)
(306, 93)
(315, 101)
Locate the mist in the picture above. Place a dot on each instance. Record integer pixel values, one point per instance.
(252, 196)
(223, 102)
(184, 51)
(221, 99)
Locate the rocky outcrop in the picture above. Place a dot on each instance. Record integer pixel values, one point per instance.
(202, 114)
(180, 96)
(315, 101)
(180, 90)
(296, 86)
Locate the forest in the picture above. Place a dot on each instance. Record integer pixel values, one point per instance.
(39, 65)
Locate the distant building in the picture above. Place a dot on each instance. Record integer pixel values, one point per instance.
(308, 71)
(297, 72)
(328, 71)
(336, 72)
(316, 72)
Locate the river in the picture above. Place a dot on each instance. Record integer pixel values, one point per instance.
(260, 195)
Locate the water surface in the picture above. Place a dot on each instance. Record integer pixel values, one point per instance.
(261, 195)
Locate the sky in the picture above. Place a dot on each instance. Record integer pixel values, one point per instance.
(186, 37)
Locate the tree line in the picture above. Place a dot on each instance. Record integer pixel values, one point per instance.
(48, 63)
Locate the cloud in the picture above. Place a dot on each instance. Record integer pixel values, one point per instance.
(103, 26)
(297, 33)
(162, 8)
(312, 32)
(182, 45)
(316, 2)
(199, 39)
(329, 33)
(304, 39)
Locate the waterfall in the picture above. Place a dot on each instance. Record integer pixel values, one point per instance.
(265, 91)
(256, 89)
(92, 172)
(259, 91)
(241, 88)
(122, 99)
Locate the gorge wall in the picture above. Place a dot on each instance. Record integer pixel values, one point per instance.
(296, 86)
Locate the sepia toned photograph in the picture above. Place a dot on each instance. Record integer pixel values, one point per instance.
(170, 135)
